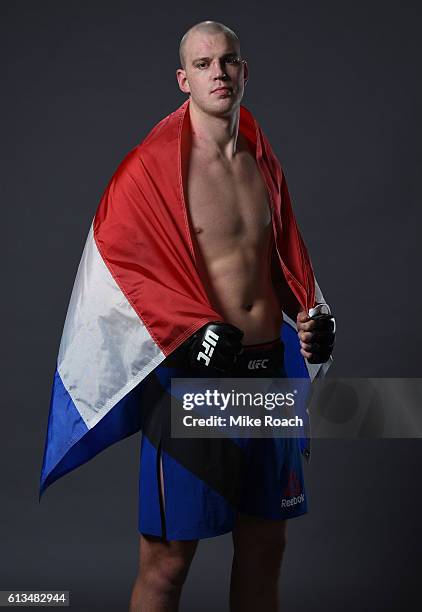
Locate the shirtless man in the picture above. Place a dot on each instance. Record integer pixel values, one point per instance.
(231, 219)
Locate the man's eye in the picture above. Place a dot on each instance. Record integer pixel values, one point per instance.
(201, 65)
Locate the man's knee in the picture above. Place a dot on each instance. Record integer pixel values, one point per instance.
(168, 575)
(164, 565)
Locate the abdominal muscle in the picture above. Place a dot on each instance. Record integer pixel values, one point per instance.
(240, 288)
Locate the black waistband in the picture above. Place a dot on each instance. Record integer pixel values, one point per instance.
(261, 359)
(270, 350)
(263, 345)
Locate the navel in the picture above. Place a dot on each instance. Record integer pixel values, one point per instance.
(198, 230)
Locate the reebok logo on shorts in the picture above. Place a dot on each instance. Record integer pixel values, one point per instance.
(292, 501)
(292, 493)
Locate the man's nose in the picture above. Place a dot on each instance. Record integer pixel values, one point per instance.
(218, 70)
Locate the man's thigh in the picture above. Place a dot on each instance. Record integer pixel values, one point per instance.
(156, 551)
(259, 541)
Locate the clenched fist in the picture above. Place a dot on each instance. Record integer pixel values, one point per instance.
(216, 345)
(316, 335)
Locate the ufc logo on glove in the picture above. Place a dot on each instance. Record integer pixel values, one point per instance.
(209, 342)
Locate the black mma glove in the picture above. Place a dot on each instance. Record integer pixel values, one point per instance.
(323, 337)
(215, 347)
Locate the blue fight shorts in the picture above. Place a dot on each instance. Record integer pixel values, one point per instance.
(206, 481)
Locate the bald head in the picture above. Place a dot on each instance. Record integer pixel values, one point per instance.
(208, 27)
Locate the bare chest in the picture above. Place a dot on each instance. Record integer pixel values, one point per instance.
(227, 206)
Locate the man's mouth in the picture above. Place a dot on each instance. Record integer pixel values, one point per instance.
(221, 90)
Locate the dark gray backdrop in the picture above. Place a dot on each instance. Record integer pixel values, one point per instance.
(335, 87)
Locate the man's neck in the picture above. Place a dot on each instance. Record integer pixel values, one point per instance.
(216, 136)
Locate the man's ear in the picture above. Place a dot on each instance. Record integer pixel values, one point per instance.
(245, 72)
(182, 80)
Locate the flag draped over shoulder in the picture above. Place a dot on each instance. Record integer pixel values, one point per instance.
(138, 295)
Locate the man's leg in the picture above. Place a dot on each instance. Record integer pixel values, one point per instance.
(162, 571)
(258, 552)
(163, 567)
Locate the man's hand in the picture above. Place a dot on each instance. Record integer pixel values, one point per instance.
(215, 346)
(316, 335)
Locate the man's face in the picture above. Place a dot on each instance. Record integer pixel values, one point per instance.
(212, 62)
